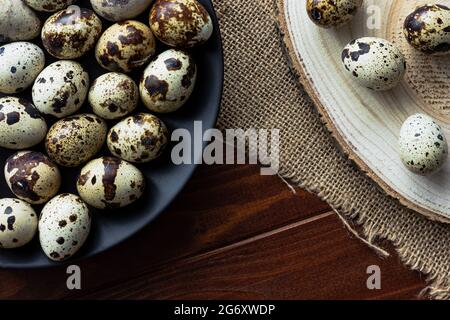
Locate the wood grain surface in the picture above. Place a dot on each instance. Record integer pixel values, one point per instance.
(364, 122)
(231, 234)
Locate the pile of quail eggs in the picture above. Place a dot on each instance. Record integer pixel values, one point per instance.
(379, 65)
(58, 91)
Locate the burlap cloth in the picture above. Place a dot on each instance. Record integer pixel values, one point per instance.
(262, 91)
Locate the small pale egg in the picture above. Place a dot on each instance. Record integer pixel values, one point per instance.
(18, 223)
(70, 33)
(180, 23)
(375, 63)
(428, 29)
(422, 144)
(32, 177)
(113, 95)
(20, 64)
(75, 139)
(18, 22)
(49, 5)
(61, 88)
(139, 138)
(168, 81)
(118, 10)
(64, 226)
(125, 46)
(327, 14)
(110, 183)
(21, 125)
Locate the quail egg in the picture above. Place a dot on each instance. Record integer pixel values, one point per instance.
(64, 226)
(49, 5)
(168, 81)
(113, 95)
(18, 223)
(375, 63)
(140, 138)
(428, 29)
(335, 13)
(118, 10)
(20, 64)
(61, 88)
(180, 23)
(423, 146)
(110, 183)
(70, 33)
(17, 22)
(32, 177)
(21, 125)
(75, 139)
(125, 46)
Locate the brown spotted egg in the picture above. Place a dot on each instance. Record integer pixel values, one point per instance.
(168, 81)
(18, 22)
(113, 95)
(70, 33)
(21, 125)
(64, 226)
(428, 29)
(18, 223)
(75, 139)
(374, 62)
(326, 13)
(139, 138)
(110, 183)
(20, 64)
(61, 88)
(180, 23)
(125, 46)
(118, 10)
(49, 5)
(32, 177)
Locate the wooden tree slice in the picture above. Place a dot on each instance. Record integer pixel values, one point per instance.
(367, 123)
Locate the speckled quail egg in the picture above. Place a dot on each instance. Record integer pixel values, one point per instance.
(20, 64)
(17, 22)
(180, 23)
(70, 33)
(32, 177)
(49, 5)
(422, 144)
(18, 223)
(118, 10)
(61, 88)
(21, 125)
(428, 29)
(168, 81)
(75, 139)
(335, 13)
(64, 226)
(125, 46)
(375, 63)
(113, 95)
(139, 138)
(110, 183)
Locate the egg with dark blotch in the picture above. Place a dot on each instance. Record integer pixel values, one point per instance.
(49, 5)
(18, 22)
(180, 23)
(118, 10)
(428, 29)
(71, 33)
(168, 81)
(32, 177)
(125, 46)
(21, 124)
(61, 88)
(110, 183)
(20, 64)
(74, 140)
(327, 14)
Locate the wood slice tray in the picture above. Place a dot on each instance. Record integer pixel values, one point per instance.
(366, 123)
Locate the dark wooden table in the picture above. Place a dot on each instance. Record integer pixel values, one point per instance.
(231, 234)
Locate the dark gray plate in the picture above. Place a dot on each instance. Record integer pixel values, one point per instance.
(165, 180)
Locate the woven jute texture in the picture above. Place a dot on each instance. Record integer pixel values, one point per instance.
(262, 91)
